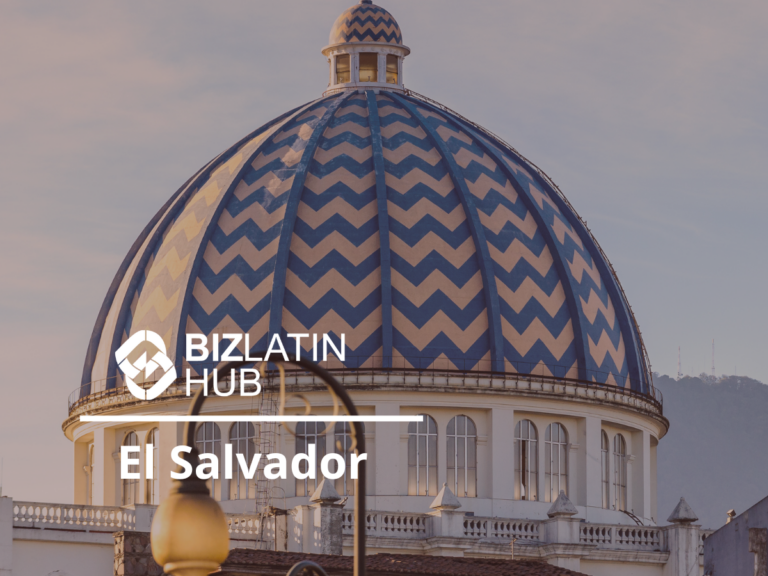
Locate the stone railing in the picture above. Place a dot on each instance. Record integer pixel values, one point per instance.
(499, 528)
(63, 516)
(391, 524)
(622, 537)
(251, 527)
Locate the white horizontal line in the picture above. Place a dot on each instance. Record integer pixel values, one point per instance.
(327, 418)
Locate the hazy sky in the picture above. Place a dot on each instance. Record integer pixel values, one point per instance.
(651, 116)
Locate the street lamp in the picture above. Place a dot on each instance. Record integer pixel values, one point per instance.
(190, 536)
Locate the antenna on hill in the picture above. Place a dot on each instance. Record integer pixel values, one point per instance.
(713, 357)
(679, 371)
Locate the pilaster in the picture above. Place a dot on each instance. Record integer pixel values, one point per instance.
(591, 476)
(6, 536)
(502, 429)
(104, 466)
(386, 468)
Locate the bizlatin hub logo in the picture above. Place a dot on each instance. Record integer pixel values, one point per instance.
(224, 349)
(132, 369)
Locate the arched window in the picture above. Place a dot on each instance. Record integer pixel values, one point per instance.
(130, 486)
(526, 461)
(462, 456)
(242, 436)
(620, 472)
(342, 443)
(605, 469)
(556, 461)
(309, 433)
(152, 492)
(208, 441)
(422, 457)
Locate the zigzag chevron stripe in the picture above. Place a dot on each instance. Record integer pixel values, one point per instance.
(120, 313)
(294, 198)
(287, 136)
(468, 133)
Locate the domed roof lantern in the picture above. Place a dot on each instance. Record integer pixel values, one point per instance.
(365, 50)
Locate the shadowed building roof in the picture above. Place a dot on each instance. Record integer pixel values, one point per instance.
(242, 561)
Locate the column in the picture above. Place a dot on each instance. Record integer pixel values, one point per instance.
(6, 536)
(104, 477)
(591, 462)
(641, 474)
(502, 468)
(382, 59)
(387, 452)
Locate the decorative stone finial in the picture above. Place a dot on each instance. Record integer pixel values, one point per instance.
(562, 507)
(682, 514)
(731, 514)
(325, 493)
(445, 500)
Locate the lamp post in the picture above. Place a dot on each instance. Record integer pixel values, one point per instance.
(190, 536)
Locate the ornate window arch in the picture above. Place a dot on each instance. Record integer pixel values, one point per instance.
(526, 461)
(619, 472)
(461, 456)
(152, 486)
(342, 443)
(208, 441)
(309, 433)
(131, 486)
(605, 471)
(422, 457)
(556, 449)
(242, 436)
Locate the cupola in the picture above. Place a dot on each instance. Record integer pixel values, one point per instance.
(365, 50)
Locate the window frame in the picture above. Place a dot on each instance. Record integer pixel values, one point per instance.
(342, 445)
(460, 460)
(243, 436)
(526, 448)
(605, 469)
(422, 446)
(620, 459)
(130, 486)
(210, 445)
(307, 486)
(562, 447)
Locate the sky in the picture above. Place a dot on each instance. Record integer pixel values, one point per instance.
(650, 116)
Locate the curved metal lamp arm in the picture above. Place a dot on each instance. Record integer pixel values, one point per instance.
(194, 484)
(306, 565)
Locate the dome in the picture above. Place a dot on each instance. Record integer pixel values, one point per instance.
(424, 239)
(366, 22)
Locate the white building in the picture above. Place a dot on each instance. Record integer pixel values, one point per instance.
(468, 291)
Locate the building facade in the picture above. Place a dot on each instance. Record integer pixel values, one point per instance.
(468, 290)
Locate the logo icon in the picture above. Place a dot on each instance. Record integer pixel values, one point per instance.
(133, 369)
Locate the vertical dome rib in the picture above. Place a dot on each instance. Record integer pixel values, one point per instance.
(478, 235)
(138, 272)
(626, 322)
(530, 204)
(268, 132)
(93, 344)
(291, 211)
(383, 215)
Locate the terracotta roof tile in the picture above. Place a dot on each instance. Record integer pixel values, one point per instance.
(259, 560)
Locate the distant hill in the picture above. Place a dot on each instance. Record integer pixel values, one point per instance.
(716, 452)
